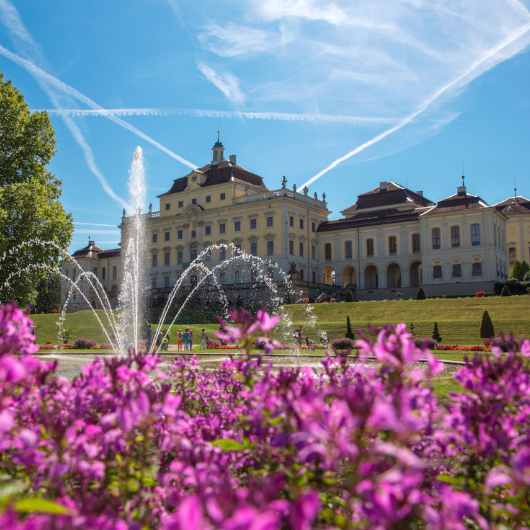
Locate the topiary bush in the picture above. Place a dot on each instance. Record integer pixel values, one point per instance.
(421, 294)
(505, 291)
(84, 344)
(430, 343)
(342, 344)
(349, 297)
(486, 327)
(349, 331)
(436, 334)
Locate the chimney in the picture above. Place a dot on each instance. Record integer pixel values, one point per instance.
(91, 243)
(382, 186)
(232, 159)
(420, 193)
(461, 191)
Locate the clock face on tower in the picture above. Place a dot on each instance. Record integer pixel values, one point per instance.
(194, 178)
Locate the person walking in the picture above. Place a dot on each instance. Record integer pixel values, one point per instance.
(204, 338)
(186, 340)
(298, 335)
(179, 340)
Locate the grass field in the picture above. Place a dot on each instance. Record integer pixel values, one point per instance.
(458, 318)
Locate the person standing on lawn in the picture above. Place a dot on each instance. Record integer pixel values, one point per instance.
(186, 340)
(204, 338)
(191, 338)
(179, 340)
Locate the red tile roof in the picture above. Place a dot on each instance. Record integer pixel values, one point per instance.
(514, 206)
(458, 202)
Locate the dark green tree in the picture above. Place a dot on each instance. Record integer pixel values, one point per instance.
(48, 293)
(486, 327)
(517, 271)
(349, 297)
(288, 299)
(505, 291)
(421, 294)
(349, 331)
(435, 333)
(239, 302)
(29, 197)
(412, 327)
(525, 269)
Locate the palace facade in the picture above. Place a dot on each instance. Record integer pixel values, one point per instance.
(391, 240)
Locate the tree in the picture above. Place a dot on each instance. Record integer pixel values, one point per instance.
(29, 198)
(288, 299)
(486, 327)
(436, 333)
(517, 271)
(412, 327)
(525, 270)
(349, 297)
(505, 291)
(349, 332)
(48, 293)
(421, 294)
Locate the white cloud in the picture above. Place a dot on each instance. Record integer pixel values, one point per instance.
(226, 83)
(89, 231)
(309, 9)
(93, 224)
(232, 39)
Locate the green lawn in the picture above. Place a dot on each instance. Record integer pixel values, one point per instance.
(458, 318)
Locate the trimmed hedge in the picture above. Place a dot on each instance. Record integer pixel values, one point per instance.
(85, 344)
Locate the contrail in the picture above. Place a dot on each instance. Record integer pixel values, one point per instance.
(360, 120)
(39, 73)
(508, 40)
(93, 224)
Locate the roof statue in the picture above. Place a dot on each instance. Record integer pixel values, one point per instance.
(284, 182)
(305, 190)
(294, 188)
(323, 197)
(316, 196)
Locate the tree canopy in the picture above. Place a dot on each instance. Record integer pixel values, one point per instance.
(30, 206)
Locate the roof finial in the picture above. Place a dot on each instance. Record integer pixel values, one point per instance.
(514, 187)
(463, 177)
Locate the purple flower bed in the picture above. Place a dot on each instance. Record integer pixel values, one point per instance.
(85, 344)
(128, 446)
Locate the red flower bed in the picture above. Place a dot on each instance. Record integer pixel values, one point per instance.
(480, 294)
(456, 347)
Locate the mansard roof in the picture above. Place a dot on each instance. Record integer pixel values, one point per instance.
(514, 206)
(93, 251)
(220, 173)
(393, 194)
(460, 201)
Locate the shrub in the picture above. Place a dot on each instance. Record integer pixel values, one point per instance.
(486, 327)
(342, 344)
(412, 327)
(349, 331)
(480, 294)
(505, 291)
(436, 333)
(84, 344)
(54, 311)
(349, 297)
(421, 294)
(288, 299)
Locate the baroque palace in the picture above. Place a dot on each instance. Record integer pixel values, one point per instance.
(391, 240)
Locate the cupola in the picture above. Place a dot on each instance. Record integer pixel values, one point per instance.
(218, 151)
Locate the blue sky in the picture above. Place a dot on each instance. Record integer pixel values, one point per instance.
(341, 94)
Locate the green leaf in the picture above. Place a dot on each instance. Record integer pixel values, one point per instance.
(40, 505)
(228, 445)
(11, 488)
(448, 479)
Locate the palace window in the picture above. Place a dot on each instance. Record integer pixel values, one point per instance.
(155, 238)
(313, 227)
(193, 254)
(416, 247)
(180, 257)
(237, 276)
(313, 251)
(301, 224)
(270, 222)
(270, 272)
(455, 236)
(457, 270)
(477, 269)
(153, 283)
(314, 276)
(74, 274)
(254, 248)
(208, 198)
(270, 248)
(208, 255)
(222, 228)
(208, 230)
(327, 251)
(392, 245)
(193, 201)
(291, 247)
(167, 235)
(67, 273)
(348, 253)
(166, 258)
(181, 204)
(253, 224)
(168, 206)
(222, 196)
(166, 281)
(103, 273)
(511, 255)
(475, 235)
(222, 253)
(301, 249)
(253, 276)
(237, 226)
(291, 221)
(370, 247)
(302, 274)
(437, 271)
(180, 234)
(237, 250)
(95, 271)
(436, 241)
(222, 277)
(155, 260)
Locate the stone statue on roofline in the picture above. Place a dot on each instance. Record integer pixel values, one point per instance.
(294, 188)
(323, 197)
(284, 182)
(150, 207)
(305, 190)
(316, 196)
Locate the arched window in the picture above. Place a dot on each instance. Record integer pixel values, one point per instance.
(511, 255)
(215, 155)
(222, 253)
